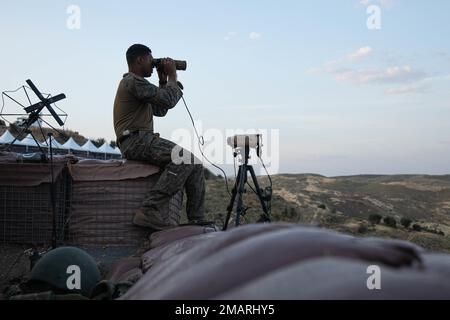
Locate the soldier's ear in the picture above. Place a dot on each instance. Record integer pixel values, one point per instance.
(140, 60)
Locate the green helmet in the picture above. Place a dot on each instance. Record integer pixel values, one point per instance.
(68, 269)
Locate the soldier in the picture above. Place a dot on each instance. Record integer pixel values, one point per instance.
(136, 102)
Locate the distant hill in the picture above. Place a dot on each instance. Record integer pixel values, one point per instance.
(348, 204)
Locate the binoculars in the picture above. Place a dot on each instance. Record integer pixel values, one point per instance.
(180, 64)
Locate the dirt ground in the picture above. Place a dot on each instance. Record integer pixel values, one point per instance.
(15, 263)
(14, 266)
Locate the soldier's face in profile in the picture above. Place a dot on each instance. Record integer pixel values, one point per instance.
(146, 65)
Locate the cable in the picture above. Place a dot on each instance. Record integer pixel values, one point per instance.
(234, 164)
(267, 172)
(201, 143)
(4, 93)
(254, 191)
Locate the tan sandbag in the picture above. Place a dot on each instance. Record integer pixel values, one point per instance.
(161, 238)
(259, 254)
(121, 268)
(165, 252)
(183, 260)
(337, 278)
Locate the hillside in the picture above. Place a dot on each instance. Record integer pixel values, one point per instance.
(346, 203)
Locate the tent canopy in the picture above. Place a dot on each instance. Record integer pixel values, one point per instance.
(28, 141)
(72, 145)
(89, 146)
(6, 137)
(106, 148)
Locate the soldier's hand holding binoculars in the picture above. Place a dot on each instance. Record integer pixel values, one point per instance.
(169, 67)
(167, 70)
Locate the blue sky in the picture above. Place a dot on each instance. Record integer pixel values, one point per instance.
(346, 99)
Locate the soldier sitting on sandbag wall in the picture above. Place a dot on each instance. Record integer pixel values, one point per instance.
(136, 102)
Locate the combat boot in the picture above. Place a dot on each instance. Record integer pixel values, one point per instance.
(153, 219)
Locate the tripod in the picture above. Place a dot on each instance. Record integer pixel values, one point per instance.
(239, 190)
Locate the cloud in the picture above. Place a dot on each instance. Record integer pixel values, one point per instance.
(404, 74)
(383, 3)
(351, 57)
(386, 3)
(414, 88)
(361, 52)
(343, 70)
(255, 35)
(230, 35)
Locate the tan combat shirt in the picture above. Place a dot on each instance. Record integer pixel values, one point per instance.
(137, 101)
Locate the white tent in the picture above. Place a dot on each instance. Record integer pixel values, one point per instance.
(106, 148)
(28, 141)
(71, 145)
(117, 151)
(6, 137)
(89, 147)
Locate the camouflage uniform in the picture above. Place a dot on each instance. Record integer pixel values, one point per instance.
(136, 102)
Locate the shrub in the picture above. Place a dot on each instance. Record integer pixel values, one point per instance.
(362, 228)
(390, 222)
(375, 218)
(406, 222)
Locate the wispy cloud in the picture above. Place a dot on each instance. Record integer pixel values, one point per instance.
(359, 54)
(404, 74)
(383, 3)
(252, 35)
(344, 70)
(255, 35)
(230, 35)
(413, 88)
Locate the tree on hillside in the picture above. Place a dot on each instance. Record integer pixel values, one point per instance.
(375, 218)
(99, 142)
(406, 222)
(390, 222)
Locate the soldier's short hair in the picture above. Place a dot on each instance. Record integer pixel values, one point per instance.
(136, 51)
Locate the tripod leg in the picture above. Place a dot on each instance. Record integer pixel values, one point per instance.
(240, 205)
(266, 215)
(231, 204)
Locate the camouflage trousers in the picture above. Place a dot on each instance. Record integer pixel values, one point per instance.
(189, 175)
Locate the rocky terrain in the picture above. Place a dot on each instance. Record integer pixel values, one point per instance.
(409, 207)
